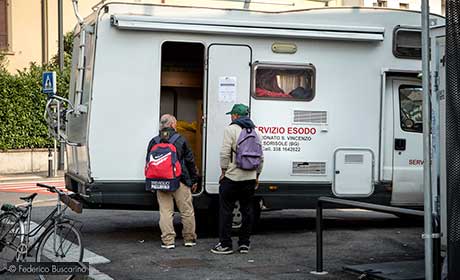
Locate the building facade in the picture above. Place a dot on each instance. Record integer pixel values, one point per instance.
(29, 28)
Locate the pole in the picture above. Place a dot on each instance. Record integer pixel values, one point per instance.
(60, 35)
(61, 68)
(436, 158)
(319, 240)
(50, 163)
(44, 18)
(56, 112)
(319, 237)
(428, 222)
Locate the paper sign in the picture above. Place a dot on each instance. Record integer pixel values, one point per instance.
(227, 89)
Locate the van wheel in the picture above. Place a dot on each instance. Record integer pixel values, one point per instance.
(207, 219)
(256, 210)
(207, 222)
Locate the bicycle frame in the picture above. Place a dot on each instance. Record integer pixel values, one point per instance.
(54, 218)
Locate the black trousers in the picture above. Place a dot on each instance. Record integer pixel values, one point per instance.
(230, 192)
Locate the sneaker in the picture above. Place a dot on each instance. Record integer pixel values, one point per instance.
(167, 246)
(190, 243)
(220, 250)
(243, 249)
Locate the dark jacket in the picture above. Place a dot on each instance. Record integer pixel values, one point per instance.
(184, 153)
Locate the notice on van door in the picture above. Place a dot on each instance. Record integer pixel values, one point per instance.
(227, 89)
(285, 139)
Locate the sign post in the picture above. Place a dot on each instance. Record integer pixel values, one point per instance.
(49, 87)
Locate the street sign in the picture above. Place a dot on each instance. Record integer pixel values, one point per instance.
(49, 83)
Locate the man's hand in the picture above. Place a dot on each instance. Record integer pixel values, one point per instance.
(257, 182)
(222, 175)
(194, 187)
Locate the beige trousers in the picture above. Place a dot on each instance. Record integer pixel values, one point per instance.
(183, 198)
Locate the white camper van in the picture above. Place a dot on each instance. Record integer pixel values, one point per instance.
(333, 91)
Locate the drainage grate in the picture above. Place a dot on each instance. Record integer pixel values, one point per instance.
(310, 117)
(308, 168)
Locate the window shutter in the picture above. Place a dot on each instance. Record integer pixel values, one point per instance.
(3, 25)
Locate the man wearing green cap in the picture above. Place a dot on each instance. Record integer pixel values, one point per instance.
(237, 182)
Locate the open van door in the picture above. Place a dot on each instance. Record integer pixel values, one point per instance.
(229, 78)
(408, 142)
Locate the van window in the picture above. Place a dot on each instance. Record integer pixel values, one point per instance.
(284, 82)
(407, 43)
(74, 71)
(88, 73)
(410, 107)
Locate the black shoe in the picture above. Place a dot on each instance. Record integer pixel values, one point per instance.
(243, 249)
(168, 246)
(220, 250)
(190, 243)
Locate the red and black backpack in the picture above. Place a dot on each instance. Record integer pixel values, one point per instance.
(163, 169)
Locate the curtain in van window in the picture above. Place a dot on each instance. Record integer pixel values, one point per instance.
(285, 84)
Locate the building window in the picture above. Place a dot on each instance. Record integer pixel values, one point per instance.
(4, 46)
(404, 6)
(284, 82)
(410, 108)
(380, 3)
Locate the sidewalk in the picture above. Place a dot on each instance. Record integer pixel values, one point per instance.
(31, 177)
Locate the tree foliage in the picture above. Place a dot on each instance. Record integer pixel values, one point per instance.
(22, 102)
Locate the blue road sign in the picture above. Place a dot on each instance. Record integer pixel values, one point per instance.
(49, 82)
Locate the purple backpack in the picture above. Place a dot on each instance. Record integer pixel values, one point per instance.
(248, 150)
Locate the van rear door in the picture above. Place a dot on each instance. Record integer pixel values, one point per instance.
(229, 78)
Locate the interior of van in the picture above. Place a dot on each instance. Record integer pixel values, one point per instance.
(182, 90)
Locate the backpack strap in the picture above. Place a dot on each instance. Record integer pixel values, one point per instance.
(174, 138)
(157, 139)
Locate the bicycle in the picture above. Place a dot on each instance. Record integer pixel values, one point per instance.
(58, 239)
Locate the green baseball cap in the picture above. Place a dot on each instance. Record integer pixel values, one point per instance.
(239, 109)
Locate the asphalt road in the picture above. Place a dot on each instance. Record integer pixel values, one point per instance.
(283, 246)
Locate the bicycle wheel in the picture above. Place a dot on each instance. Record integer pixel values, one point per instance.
(11, 237)
(60, 243)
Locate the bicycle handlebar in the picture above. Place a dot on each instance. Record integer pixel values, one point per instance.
(64, 198)
(50, 188)
(45, 186)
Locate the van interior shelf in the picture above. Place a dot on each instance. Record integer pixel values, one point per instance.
(181, 76)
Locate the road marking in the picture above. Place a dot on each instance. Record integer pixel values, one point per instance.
(97, 275)
(30, 187)
(88, 256)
